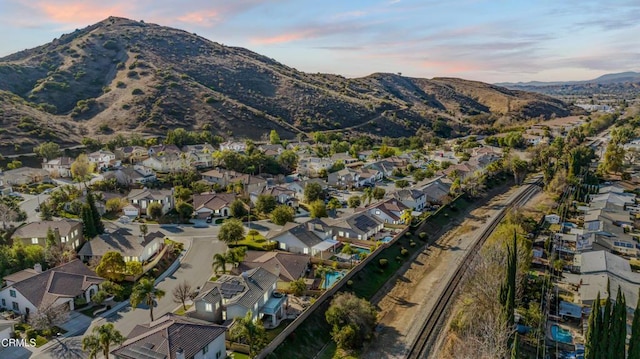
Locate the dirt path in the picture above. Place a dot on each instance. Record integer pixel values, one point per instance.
(403, 306)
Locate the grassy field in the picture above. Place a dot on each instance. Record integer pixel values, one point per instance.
(257, 242)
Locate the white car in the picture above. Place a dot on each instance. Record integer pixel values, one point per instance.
(124, 220)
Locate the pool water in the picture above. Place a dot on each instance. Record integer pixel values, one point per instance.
(561, 335)
(386, 239)
(331, 278)
(361, 252)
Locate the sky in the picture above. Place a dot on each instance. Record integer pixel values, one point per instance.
(484, 40)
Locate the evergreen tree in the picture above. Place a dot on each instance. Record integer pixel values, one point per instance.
(508, 287)
(88, 225)
(592, 339)
(95, 215)
(605, 333)
(618, 335)
(634, 342)
(51, 238)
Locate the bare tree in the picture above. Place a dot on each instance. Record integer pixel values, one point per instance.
(7, 214)
(49, 315)
(182, 293)
(58, 254)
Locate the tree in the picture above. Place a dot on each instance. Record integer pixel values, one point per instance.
(220, 261)
(81, 168)
(297, 287)
(407, 216)
(231, 230)
(235, 256)
(182, 293)
(185, 211)
(352, 319)
(133, 268)
(48, 315)
(57, 253)
(48, 150)
(312, 192)
(594, 329)
(266, 203)
(353, 202)
(238, 209)
(88, 224)
(95, 215)
(282, 214)
(113, 205)
(112, 266)
(145, 291)
(519, 168)
(182, 193)
(154, 210)
(378, 193)
(334, 204)
(508, 287)
(144, 230)
(288, 160)
(367, 195)
(102, 338)
(317, 209)
(634, 341)
(274, 138)
(7, 214)
(251, 332)
(386, 151)
(402, 183)
(613, 161)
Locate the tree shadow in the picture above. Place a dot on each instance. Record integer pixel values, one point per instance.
(67, 348)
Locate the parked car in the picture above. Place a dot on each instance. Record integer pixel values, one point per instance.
(209, 219)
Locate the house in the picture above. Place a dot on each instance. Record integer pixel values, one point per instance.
(388, 211)
(131, 154)
(141, 198)
(358, 226)
(436, 191)
(103, 159)
(283, 195)
(174, 337)
(288, 266)
(232, 296)
(307, 238)
(58, 167)
(271, 150)
(235, 146)
(213, 204)
(127, 176)
(365, 155)
(411, 198)
(312, 166)
(51, 288)
(66, 231)
(368, 176)
(345, 158)
(225, 178)
(600, 270)
(200, 156)
(462, 170)
(23, 176)
(298, 186)
(159, 150)
(166, 162)
(552, 218)
(532, 140)
(345, 177)
(134, 248)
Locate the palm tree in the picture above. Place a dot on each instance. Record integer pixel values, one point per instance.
(144, 230)
(102, 339)
(322, 272)
(220, 262)
(146, 292)
(252, 332)
(367, 195)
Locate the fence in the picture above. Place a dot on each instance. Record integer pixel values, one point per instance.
(326, 295)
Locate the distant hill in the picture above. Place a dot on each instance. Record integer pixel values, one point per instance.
(618, 83)
(125, 76)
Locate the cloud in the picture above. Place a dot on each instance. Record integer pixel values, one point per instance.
(202, 18)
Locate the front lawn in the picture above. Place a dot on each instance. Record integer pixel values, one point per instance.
(257, 242)
(181, 310)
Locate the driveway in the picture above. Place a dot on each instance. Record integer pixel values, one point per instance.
(77, 323)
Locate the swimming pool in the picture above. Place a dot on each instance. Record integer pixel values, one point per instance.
(386, 239)
(332, 278)
(561, 335)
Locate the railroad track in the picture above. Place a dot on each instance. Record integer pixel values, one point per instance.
(422, 345)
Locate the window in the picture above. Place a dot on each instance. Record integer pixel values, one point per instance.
(208, 307)
(12, 293)
(218, 354)
(205, 349)
(16, 306)
(34, 240)
(4, 302)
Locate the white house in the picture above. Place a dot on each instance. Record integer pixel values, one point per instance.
(213, 204)
(136, 248)
(235, 146)
(32, 289)
(389, 211)
(412, 198)
(141, 198)
(103, 159)
(174, 337)
(58, 167)
(168, 162)
(306, 238)
(552, 218)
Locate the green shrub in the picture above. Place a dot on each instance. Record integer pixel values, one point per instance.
(121, 84)
(405, 251)
(412, 244)
(40, 341)
(407, 234)
(137, 92)
(398, 258)
(110, 45)
(423, 235)
(383, 262)
(31, 333)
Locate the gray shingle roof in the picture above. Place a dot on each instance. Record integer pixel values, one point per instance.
(290, 265)
(68, 280)
(245, 289)
(39, 229)
(163, 337)
(121, 241)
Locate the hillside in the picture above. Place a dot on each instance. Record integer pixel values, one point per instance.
(625, 84)
(127, 76)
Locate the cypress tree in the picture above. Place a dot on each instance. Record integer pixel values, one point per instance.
(51, 238)
(618, 336)
(592, 339)
(605, 332)
(88, 226)
(508, 288)
(95, 215)
(634, 342)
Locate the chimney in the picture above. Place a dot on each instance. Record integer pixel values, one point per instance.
(140, 238)
(180, 353)
(38, 268)
(277, 273)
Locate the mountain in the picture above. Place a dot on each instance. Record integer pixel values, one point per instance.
(125, 76)
(623, 83)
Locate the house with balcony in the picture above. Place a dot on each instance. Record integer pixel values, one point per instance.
(232, 296)
(141, 198)
(66, 232)
(30, 290)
